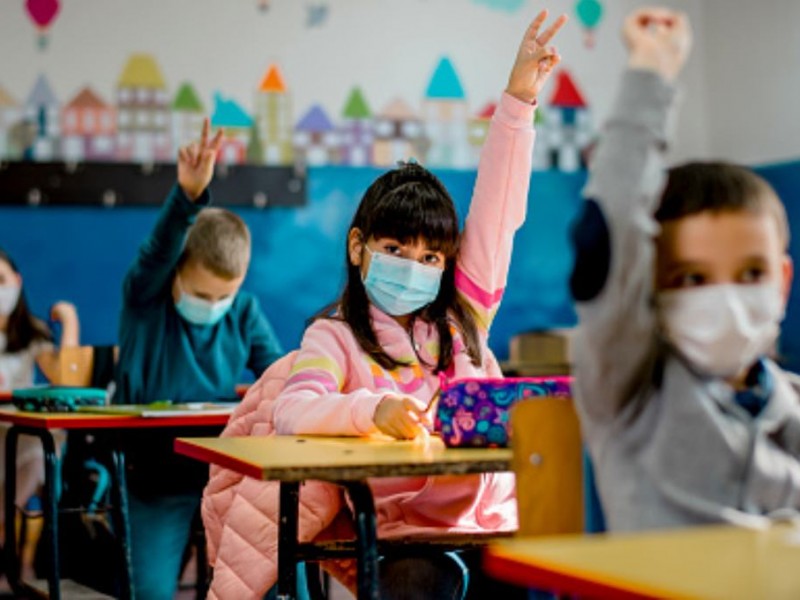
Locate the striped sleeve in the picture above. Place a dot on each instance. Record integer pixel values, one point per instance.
(314, 400)
(498, 208)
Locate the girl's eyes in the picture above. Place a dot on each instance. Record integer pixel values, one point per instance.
(431, 259)
(392, 249)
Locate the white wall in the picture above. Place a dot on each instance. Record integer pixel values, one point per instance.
(391, 47)
(753, 86)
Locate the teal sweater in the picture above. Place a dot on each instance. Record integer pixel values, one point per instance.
(164, 357)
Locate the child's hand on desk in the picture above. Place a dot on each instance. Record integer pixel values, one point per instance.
(196, 163)
(401, 417)
(535, 60)
(659, 40)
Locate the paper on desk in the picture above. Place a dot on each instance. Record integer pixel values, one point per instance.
(157, 410)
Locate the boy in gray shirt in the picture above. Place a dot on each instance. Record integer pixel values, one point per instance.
(681, 281)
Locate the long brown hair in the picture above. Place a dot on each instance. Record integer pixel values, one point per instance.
(408, 204)
(22, 328)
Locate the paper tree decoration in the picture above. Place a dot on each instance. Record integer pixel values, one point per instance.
(445, 113)
(356, 131)
(187, 117)
(590, 12)
(42, 13)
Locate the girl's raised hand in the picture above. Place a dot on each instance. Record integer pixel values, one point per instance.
(535, 59)
(196, 163)
(401, 417)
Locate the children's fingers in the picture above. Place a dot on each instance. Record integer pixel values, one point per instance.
(183, 154)
(204, 135)
(216, 142)
(551, 31)
(194, 154)
(533, 28)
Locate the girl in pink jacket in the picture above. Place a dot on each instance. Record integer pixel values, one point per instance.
(418, 303)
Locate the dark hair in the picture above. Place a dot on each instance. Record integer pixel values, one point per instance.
(22, 328)
(719, 187)
(408, 204)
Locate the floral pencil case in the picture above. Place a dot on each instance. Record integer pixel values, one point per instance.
(475, 412)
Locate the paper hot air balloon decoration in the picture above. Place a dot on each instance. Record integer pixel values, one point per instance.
(42, 13)
(590, 12)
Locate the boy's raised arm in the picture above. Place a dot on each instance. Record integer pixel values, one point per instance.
(612, 282)
(159, 253)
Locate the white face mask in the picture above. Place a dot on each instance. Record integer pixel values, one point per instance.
(9, 296)
(722, 329)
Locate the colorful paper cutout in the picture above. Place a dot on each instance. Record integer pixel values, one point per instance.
(589, 12)
(509, 6)
(42, 13)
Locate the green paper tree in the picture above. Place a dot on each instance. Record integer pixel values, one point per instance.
(356, 106)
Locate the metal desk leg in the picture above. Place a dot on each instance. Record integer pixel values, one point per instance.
(289, 508)
(52, 485)
(10, 548)
(122, 523)
(366, 538)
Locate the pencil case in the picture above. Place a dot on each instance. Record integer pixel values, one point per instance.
(475, 412)
(54, 398)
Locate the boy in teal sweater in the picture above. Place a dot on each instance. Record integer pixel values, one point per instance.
(187, 333)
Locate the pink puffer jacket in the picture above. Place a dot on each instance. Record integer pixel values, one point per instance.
(241, 513)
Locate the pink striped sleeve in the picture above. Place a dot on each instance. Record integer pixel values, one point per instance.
(314, 400)
(498, 208)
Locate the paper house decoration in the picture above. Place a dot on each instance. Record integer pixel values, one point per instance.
(565, 129)
(187, 117)
(356, 130)
(10, 115)
(445, 116)
(42, 108)
(316, 141)
(273, 118)
(237, 123)
(88, 128)
(143, 112)
(399, 135)
(479, 129)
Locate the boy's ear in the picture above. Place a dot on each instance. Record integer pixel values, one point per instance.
(787, 274)
(355, 246)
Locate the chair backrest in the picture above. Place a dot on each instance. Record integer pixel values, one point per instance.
(548, 463)
(86, 366)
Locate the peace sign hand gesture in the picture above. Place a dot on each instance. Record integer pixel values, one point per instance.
(196, 163)
(535, 59)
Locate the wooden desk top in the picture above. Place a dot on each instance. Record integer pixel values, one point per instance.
(75, 420)
(704, 562)
(297, 458)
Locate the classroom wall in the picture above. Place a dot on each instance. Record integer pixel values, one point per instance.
(753, 79)
(81, 253)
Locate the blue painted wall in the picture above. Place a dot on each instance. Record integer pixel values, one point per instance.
(81, 254)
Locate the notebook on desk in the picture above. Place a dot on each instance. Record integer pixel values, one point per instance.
(164, 409)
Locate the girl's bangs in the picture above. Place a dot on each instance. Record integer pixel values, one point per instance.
(413, 212)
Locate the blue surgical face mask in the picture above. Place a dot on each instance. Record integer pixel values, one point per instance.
(199, 311)
(400, 286)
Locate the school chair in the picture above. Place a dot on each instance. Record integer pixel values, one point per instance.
(548, 464)
(86, 366)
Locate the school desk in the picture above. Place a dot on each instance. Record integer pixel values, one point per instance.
(40, 425)
(720, 561)
(348, 462)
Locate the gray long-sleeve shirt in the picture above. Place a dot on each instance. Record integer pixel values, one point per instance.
(669, 447)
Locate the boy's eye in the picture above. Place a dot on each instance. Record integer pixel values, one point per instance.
(431, 259)
(391, 249)
(687, 280)
(752, 275)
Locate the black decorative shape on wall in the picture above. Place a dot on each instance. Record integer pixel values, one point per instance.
(130, 184)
